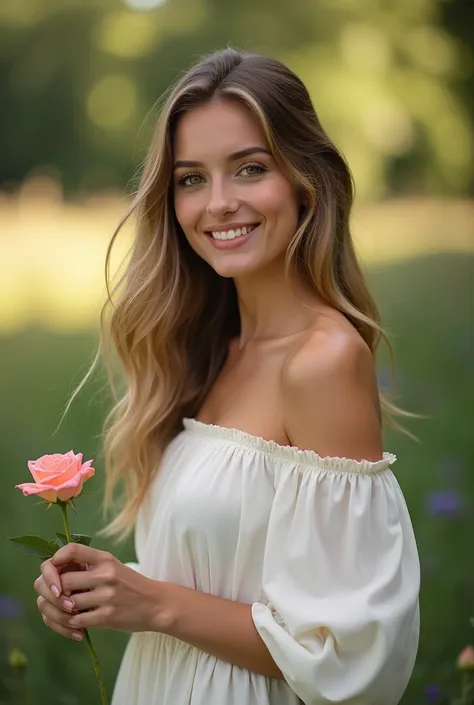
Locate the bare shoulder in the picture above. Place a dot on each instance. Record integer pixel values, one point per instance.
(334, 345)
(330, 395)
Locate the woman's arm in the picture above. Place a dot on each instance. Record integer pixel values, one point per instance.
(220, 627)
(119, 597)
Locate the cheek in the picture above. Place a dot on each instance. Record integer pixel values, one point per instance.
(187, 211)
(277, 200)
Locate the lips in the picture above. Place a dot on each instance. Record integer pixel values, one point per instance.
(232, 242)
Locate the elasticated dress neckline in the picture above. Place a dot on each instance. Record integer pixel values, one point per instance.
(287, 452)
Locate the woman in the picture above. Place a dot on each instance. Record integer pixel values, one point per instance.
(277, 561)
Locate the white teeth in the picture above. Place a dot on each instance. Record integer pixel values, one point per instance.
(231, 234)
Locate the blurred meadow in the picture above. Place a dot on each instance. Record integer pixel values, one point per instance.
(392, 82)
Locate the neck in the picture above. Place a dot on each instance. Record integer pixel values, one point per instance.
(271, 308)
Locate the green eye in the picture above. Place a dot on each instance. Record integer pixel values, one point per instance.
(190, 180)
(253, 169)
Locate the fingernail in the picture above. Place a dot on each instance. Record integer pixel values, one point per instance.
(55, 590)
(68, 604)
(77, 636)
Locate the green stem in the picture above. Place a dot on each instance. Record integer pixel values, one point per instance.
(22, 693)
(467, 692)
(95, 660)
(67, 530)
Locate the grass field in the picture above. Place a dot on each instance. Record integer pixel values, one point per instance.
(427, 306)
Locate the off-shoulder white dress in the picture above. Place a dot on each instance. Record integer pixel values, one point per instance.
(322, 548)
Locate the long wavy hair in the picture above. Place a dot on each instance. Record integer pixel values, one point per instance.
(172, 316)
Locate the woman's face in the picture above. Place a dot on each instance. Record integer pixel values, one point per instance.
(236, 208)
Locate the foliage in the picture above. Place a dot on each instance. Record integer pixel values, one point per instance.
(42, 548)
(392, 82)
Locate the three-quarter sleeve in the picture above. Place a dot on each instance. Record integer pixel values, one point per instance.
(339, 612)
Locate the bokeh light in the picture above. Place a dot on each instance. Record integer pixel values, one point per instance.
(144, 4)
(112, 101)
(127, 34)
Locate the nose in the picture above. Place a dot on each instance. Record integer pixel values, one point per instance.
(221, 199)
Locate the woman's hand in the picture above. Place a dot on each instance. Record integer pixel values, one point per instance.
(114, 595)
(56, 609)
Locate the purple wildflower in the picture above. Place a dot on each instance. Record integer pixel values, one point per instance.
(444, 503)
(10, 607)
(432, 693)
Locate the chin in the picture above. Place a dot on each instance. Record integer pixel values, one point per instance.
(235, 269)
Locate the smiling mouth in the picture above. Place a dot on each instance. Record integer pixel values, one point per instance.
(232, 234)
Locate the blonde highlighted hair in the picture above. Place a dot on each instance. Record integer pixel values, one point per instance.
(172, 316)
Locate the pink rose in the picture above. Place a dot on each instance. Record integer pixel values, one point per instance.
(57, 476)
(465, 660)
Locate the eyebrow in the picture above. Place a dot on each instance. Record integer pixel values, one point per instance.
(231, 158)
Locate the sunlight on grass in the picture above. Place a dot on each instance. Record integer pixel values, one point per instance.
(53, 252)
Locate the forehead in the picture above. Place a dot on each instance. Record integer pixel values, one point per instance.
(216, 129)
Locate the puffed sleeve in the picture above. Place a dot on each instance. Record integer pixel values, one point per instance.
(341, 578)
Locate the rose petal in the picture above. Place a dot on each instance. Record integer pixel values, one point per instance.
(73, 487)
(89, 472)
(67, 493)
(39, 474)
(36, 470)
(49, 466)
(69, 471)
(49, 462)
(66, 467)
(85, 466)
(48, 493)
(65, 482)
(68, 460)
(81, 476)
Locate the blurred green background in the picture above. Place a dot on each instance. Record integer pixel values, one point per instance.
(392, 81)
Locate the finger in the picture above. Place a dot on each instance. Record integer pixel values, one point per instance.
(51, 577)
(79, 581)
(100, 617)
(63, 602)
(53, 613)
(78, 553)
(92, 599)
(67, 568)
(70, 633)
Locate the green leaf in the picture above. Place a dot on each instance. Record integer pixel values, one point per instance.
(60, 539)
(83, 539)
(72, 505)
(34, 546)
